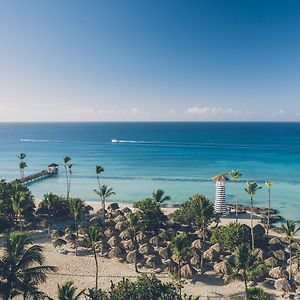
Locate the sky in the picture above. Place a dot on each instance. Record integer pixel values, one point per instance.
(156, 60)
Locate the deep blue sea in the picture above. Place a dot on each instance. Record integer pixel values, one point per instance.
(180, 158)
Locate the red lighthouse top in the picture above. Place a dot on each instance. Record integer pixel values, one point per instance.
(220, 177)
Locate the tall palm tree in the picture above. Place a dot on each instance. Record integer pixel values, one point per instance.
(67, 291)
(134, 222)
(159, 197)
(245, 266)
(290, 229)
(19, 204)
(99, 170)
(91, 241)
(76, 206)
(235, 175)
(68, 171)
(104, 193)
(269, 185)
(180, 247)
(50, 203)
(205, 214)
(22, 166)
(21, 267)
(251, 190)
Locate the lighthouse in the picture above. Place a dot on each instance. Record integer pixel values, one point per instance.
(220, 201)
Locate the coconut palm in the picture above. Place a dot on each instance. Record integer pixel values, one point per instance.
(21, 267)
(290, 229)
(180, 247)
(22, 166)
(235, 175)
(159, 197)
(99, 170)
(104, 193)
(251, 190)
(19, 204)
(67, 291)
(76, 206)
(68, 171)
(91, 241)
(245, 266)
(50, 203)
(269, 185)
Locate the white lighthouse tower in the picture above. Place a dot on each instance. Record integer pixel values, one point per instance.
(220, 201)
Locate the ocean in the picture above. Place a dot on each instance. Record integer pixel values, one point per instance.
(178, 157)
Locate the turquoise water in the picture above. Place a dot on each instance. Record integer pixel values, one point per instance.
(180, 158)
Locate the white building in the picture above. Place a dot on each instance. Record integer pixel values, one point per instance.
(220, 200)
(53, 168)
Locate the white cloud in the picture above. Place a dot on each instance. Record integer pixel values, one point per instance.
(85, 110)
(211, 111)
(277, 113)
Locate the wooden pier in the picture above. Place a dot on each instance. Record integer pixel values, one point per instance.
(50, 171)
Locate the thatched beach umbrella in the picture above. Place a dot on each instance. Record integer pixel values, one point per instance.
(59, 242)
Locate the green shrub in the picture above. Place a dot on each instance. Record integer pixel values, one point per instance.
(256, 293)
(231, 235)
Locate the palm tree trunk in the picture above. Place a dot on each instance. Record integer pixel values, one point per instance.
(67, 179)
(269, 208)
(246, 287)
(76, 246)
(202, 249)
(103, 209)
(97, 270)
(251, 216)
(136, 249)
(236, 204)
(290, 269)
(179, 275)
(69, 187)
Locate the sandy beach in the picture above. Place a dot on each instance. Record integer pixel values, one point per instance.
(81, 269)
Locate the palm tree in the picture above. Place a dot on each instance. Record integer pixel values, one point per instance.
(251, 190)
(22, 166)
(91, 241)
(104, 193)
(269, 185)
(68, 171)
(205, 214)
(50, 203)
(21, 267)
(159, 197)
(235, 175)
(19, 204)
(76, 206)
(180, 247)
(99, 170)
(290, 229)
(67, 291)
(245, 266)
(134, 222)
(22, 156)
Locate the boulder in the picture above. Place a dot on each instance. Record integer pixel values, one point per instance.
(197, 244)
(170, 266)
(117, 252)
(259, 230)
(103, 248)
(216, 247)
(271, 262)
(277, 272)
(113, 206)
(210, 255)
(279, 255)
(128, 245)
(164, 235)
(147, 249)
(153, 262)
(120, 218)
(114, 241)
(222, 268)
(109, 233)
(165, 252)
(141, 238)
(276, 244)
(297, 278)
(156, 241)
(109, 223)
(195, 261)
(282, 285)
(120, 226)
(187, 271)
(126, 210)
(259, 254)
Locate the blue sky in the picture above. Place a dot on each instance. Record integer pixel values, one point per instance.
(149, 60)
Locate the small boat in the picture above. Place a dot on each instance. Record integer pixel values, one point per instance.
(115, 141)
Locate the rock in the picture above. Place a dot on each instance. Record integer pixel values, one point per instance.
(117, 251)
(210, 255)
(277, 272)
(153, 262)
(165, 252)
(297, 278)
(197, 244)
(125, 235)
(114, 241)
(230, 259)
(271, 262)
(259, 230)
(187, 271)
(276, 244)
(259, 254)
(120, 218)
(216, 247)
(195, 261)
(279, 255)
(103, 248)
(141, 238)
(158, 270)
(134, 256)
(147, 249)
(128, 245)
(126, 210)
(109, 223)
(282, 285)
(164, 235)
(120, 226)
(170, 266)
(156, 241)
(95, 220)
(113, 206)
(221, 268)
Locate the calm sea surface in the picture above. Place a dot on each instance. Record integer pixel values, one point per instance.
(180, 158)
